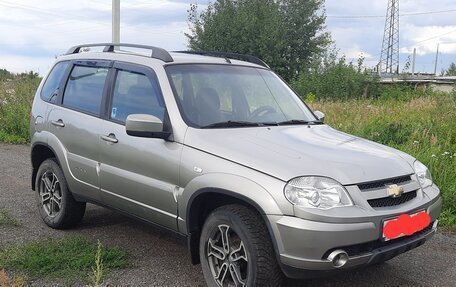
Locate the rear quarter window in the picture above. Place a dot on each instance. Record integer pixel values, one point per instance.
(51, 85)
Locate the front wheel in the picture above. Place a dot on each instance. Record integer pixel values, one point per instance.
(236, 249)
(56, 204)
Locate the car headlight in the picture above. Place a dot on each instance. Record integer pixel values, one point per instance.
(423, 174)
(317, 192)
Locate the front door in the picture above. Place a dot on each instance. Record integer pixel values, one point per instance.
(138, 175)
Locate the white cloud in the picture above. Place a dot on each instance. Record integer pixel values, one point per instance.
(19, 64)
(38, 31)
(426, 39)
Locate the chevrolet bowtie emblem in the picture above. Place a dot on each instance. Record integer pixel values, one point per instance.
(395, 191)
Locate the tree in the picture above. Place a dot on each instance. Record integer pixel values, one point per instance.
(5, 74)
(451, 70)
(286, 34)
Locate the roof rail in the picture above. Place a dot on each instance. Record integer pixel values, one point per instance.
(228, 55)
(157, 53)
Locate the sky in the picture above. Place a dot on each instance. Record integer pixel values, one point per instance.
(33, 33)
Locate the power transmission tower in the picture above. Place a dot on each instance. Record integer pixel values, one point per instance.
(389, 60)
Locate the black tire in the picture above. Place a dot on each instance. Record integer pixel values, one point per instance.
(244, 228)
(59, 216)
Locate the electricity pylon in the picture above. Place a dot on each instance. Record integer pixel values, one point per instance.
(389, 60)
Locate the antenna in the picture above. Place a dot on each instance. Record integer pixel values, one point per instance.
(389, 60)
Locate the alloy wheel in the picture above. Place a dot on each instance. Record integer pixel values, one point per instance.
(227, 257)
(50, 194)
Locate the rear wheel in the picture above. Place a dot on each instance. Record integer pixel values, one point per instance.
(236, 249)
(56, 205)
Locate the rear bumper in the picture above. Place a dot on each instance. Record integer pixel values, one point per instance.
(305, 245)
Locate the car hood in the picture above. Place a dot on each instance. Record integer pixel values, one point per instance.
(286, 152)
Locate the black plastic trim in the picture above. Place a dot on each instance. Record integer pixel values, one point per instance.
(193, 232)
(378, 255)
(35, 171)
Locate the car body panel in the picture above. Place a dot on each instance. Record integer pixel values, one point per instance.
(287, 152)
(140, 175)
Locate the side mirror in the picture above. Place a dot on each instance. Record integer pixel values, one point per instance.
(146, 126)
(320, 115)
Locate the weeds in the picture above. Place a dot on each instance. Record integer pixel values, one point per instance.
(16, 95)
(68, 258)
(97, 270)
(7, 220)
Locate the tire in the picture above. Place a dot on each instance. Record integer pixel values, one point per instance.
(247, 258)
(56, 204)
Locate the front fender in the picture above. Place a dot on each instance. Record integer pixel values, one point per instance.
(236, 186)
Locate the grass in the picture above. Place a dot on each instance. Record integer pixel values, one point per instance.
(424, 127)
(68, 259)
(7, 220)
(16, 95)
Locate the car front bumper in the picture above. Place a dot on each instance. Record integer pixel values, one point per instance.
(304, 245)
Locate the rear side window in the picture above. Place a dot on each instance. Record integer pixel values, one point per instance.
(135, 93)
(84, 89)
(51, 86)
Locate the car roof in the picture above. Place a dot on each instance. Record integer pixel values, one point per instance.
(163, 56)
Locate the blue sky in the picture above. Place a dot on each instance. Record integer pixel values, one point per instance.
(32, 33)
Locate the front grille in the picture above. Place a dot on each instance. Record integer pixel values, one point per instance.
(363, 248)
(392, 201)
(383, 183)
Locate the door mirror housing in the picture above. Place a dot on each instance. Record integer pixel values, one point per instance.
(146, 126)
(320, 115)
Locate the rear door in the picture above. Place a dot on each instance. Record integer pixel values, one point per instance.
(138, 175)
(77, 124)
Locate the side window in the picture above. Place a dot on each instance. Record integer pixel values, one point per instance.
(135, 93)
(84, 89)
(50, 87)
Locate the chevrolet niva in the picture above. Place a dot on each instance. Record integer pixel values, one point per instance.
(217, 148)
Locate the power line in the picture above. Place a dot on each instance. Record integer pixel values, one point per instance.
(380, 16)
(435, 37)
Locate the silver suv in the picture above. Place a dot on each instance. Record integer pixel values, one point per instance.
(217, 148)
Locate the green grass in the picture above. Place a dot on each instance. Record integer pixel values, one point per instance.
(71, 259)
(423, 126)
(16, 96)
(7, 220)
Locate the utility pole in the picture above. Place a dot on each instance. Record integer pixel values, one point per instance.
(116, 21)
(389, 60)
(413, 61)
(436, 60)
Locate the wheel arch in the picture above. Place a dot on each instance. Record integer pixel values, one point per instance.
(203, 202)
(39, 153)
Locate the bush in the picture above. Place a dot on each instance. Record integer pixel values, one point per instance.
(16, 96)
(336, 79)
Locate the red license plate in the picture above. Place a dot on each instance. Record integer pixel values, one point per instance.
(405, 225)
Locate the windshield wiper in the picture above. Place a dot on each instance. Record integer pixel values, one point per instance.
(232, 124)
(299, 122)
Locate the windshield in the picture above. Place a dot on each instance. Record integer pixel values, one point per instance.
(235, 96)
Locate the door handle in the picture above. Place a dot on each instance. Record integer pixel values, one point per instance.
(58, 123)
(111, 138)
